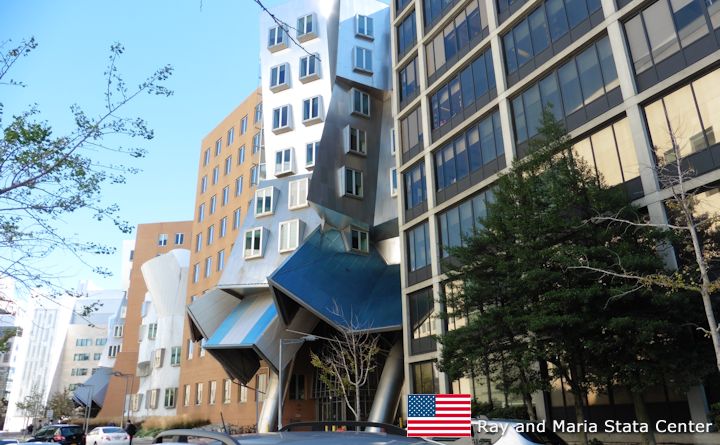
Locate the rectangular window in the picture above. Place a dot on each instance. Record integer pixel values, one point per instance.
(227, 388)
(289, 235)
(208, 267)
(186, 395)
(423, 319)
(264, 201)
(225, 196)
(113, 350)
(306, 27)
(353, 182)
(118, 331)
(241, 155)
(97, 355)
(406, 34)
(203, 184)
(230, 136)
(213, 204)
(175, 356)
(238, 186)
(223, 226)
(424, 378)
(297, 387)
(190, 347)
(309, 67)
(221, 260)
(215, 175)
(211, 234)
(252, 247)
(198, 393)
(198, 242)
(279, 77)
(359, 240)
(196, 272)
(258, 113)
(364, 26)
(201, 212)
(414, 180)
(162, 239)
(253, 175)
(243, 125)
(393, 182)
(78, 372)
(408, 80)
(158, 357)
(228, 165)
(261, 386)
(411, 134)
(276, 38)
(357, 140)
(170, 397)
(179, 238)
(83, 341)
(418, 246)
(100, 341)
(236, 219)
(360, 102)
(363, 60)
(257, 142)
(281, 118)
(311, 109)
(218, 147)
(298, 194)
(206, 157)
(84, 356)
(459, 222)
(243, 394)
(310, 152)
(152, 331)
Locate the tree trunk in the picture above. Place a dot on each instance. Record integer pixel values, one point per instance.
(357, 403)
(642, 416)
(527, 398)
(579, 414)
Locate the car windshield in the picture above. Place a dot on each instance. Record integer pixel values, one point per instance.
(112, 429)
(67, 430)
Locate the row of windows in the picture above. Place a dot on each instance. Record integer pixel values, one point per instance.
(459, 222)
(230, 138)
(89, 341)
(549, 22)
(587, 77)
(209, 266)
(309, 69)
(260, 389)
(163, 239)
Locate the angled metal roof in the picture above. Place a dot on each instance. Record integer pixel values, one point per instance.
(95, 387)
(322, 273)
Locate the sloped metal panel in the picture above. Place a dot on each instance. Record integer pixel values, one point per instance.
(208, 312)
(96, 385)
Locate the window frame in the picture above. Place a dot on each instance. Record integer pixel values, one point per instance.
(292, 224)
(253, 253)
(264, 193)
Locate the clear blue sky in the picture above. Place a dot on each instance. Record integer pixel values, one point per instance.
(213, 46)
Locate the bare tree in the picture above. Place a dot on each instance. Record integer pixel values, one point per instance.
(691, 228)
(32, 405)
(348, 359)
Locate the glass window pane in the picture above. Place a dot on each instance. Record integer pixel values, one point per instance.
(607, 63)
(510, 59)
(444, 99)
(684, 120)
(707, 95)
(689, 20)
(570, 88)
(590, 76)
(638, 44)
(550, 95)
(661, 32)
(461, 31)
(461, 160)
(523, 46)
(606, 157)
(593, 5)
(473, 141)
(659, 133)
(450, 41)
(480, 76)
(466, 82)
(626, 150)
(519, 119)
(487, 140)
(466, 219)
(713, 7)
(497, 129)
(449, 165)
(439, 171)
(490, 70)
(474, 20)
(533, 110)
(583, 151)
(453, 222)
(539, 30)
(576, 11)
(456, 104)
(557, 20)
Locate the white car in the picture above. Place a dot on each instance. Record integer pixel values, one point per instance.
(107, 435)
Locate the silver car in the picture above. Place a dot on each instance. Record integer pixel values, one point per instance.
(304, 433)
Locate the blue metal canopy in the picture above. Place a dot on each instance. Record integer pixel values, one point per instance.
(323, 274)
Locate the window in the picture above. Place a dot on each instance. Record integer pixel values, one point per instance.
(221, 260)
(257, 142)
(196, 272)
(152, 331)
(215, 175)
(190, 347)
(276, 39)
(258, 113)
(213, 390)
(359, 240)
(203, 184)
(223, 226)
(162, 239)
(363, 60)
(186, 395)
(227, 388)
(414, 181)
(243, 393)
(279, 77)
(360, 102)
(281, 119)
(83, 341)
(97, 355)
(179, 238)
(78, 371)
(158, 357)
(113, 350)
(198, 393)
(309, 68)
(243, 125)
(289, 235)
(461, 221)
(311, 110)
(218, 147)
(202, 347)
(175, 356)
(421, 307)
(357, 142)
(213, 204)
(241, 155)
(408, 81)
(418, 246)
(261, 386)
(306, 27)
(208, 266)
(406, 35)
(393, 181)
(364, 26)
(253, 175)
(81, 357)
(198, 242)
(236, 219)
(353, 182)
(424, 378)
(310, 152)
(297, 387)
(264, 201)
(201, 212)
(206, 157)
(170, 397)
(228, 165)
(231, 136)
(253, 243)
(225, 196)
(298, 194)
(100, 341)
(118, 331)
(411, 135)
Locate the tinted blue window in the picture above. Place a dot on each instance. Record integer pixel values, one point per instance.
(418, 247)
(439, 171)
(607, 63)
(570, 87)
(444, 95)
(490, 70)
(473, 148)
(450, 44)
(550, 95)
(593, 5)
(523, 47)
(539, 31)
(474, 22)
(414, 186)
(576, 11)
(533, 110)
(461, 158)
(406, 34)
(481, 81)
(499, 145)
(456, 104)
(435, 110)
(590, 76)
(466, 83)
(519, 118)
(557, 21)
(487, 140)
(510, 59)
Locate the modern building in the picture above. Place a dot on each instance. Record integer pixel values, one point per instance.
(7, 368)
(230, 166)
(470, 81)
(319, 245)
(151, 240)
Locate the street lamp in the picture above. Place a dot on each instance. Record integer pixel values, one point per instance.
(88, 406)
(132, 380)
(281, 386)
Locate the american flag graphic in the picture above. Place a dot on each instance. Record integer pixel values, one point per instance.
(438, 415)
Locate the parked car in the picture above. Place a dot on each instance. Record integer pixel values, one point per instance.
(62, 433)
(107, 435)
(9, 441)
(303, 433)
(512, 432)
